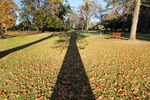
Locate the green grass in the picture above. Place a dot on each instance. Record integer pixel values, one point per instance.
(115, 68)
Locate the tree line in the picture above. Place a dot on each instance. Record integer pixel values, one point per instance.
(128, 15)
(56, 15)
(118, 15)
(42, 15)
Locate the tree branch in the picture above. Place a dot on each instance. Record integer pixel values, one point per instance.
(145, 5)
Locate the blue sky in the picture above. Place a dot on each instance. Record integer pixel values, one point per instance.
(73, 3)
(76, 3)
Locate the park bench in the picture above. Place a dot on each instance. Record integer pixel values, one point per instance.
(115, 35)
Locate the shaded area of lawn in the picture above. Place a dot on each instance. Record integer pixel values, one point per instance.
(6, 52)
(72, 81)
(145, 37)
(12, 34)
(125, 36)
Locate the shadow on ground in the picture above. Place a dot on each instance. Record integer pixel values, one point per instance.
(6, 52)
(72, 82)
(64, 40)
(145, 37)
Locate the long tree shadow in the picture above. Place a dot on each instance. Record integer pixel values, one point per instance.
(6, 52)
(72, 82)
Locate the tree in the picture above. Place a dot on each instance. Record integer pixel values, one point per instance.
(126, 8)
(73, 20)
(138, 3)
(90, 8)
(135, 20)
(81, 17)
(42, 12)
(7, 15)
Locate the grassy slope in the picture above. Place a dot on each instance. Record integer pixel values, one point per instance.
(116, 68)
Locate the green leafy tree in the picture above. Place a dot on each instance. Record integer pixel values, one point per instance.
(39, 12)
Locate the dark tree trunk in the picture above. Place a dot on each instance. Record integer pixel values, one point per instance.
(2, 35)
(2, 31)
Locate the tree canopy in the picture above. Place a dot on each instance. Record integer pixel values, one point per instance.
(43, 14)
(127, 10)
(7, 15)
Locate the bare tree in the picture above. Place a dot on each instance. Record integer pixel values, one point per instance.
(90, 8)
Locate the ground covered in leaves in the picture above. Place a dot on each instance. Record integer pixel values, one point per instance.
(74, 66)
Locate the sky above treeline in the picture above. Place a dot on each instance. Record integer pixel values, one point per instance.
(76, 3)
(73, 3)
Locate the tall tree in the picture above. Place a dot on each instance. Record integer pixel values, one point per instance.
(42, 12)
(81, 17)
(7, 15)
(135, 20)
(127, 7)
(73, 20)
(90, 7)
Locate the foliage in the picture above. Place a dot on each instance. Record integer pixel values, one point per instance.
(54, 23)
(117, 8)
(7, 16)
(40, 12)
(127, 9)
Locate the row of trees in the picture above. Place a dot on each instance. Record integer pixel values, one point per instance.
(42, 15)
(37, 15)
(118, 14)
(126, 11)
(81, 17)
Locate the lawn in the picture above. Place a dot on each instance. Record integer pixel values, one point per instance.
(33, 66)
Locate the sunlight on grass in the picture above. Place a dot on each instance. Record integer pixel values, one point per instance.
(116, 68)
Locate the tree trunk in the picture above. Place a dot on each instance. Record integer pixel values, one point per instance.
(1, 34)
(82, 25)
(87, 24)
(135, 20)
(2, 31)
(38, 29)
